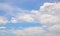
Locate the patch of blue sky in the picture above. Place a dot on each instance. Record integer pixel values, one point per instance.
(31, 4)
(21, 25)
(28, 4)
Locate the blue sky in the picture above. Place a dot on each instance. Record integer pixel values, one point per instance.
(27, 4)
(29, 17)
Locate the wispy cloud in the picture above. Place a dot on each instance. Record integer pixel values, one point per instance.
(2, 27)
(3, 20)
(32, 31)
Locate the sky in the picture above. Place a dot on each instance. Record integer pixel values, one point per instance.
(29, 17)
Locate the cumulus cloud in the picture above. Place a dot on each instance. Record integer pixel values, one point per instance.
(47, 14)
(49, 19)
(50, 13)
(51, 8)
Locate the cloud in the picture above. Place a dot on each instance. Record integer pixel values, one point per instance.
(32, 31)
(2, 27)
(50, 13)
(10, 9)
(24, 17)
(5, 33)
(3, 20)
(54, 30)
(51, 8)
(16, 13)
(49, 19)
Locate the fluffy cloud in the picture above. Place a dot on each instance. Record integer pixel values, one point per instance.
(47, 14)
(51, 8)
(50, 13)
(49, 19)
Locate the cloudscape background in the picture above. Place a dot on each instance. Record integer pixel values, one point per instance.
(29, 17)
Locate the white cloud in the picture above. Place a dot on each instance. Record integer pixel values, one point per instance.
(51, 8)
(50, 13)
(9, 10)
(32, 31)
(2, 27)
(3, 20)
(17, 13)
(54, 30)
(25, 17)
(13, 20)
(49, 19)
